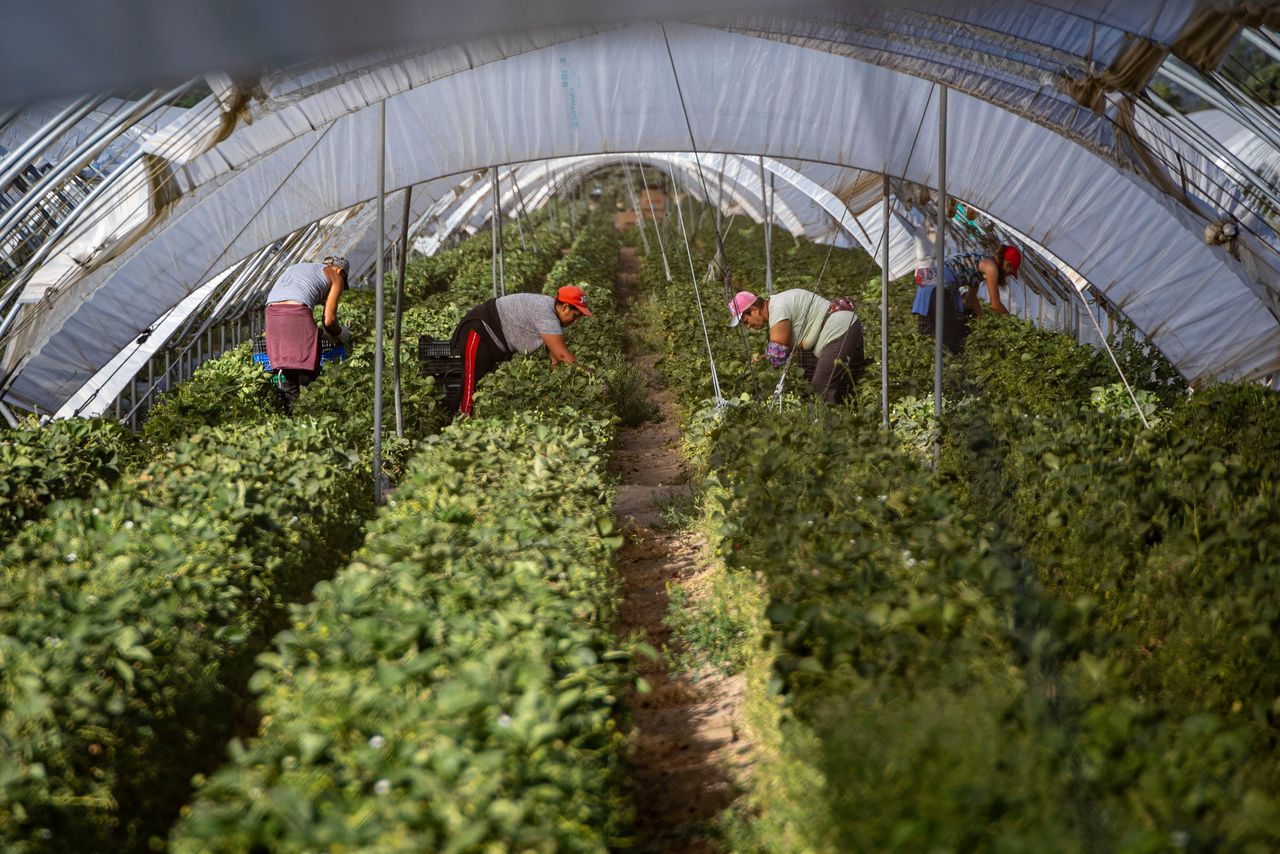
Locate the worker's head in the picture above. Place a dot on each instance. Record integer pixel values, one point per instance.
(571, 303)
(1009, 259)
(343, 265)
(749, 309)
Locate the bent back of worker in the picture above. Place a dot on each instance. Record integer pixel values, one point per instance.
(811, 328)
(304, 284)
(526, 318)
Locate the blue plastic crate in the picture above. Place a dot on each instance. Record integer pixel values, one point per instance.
(329, 352)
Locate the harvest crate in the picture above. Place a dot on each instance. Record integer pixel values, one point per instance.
(437, 360)
(329, 352)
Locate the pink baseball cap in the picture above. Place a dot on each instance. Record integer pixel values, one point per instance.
(741, 301)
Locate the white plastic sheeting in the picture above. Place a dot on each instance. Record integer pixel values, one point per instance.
(536, 96)
(801, 206)
(124, 43)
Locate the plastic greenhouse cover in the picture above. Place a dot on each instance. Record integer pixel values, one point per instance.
(530, 97)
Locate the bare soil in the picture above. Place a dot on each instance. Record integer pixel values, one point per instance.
(687, 756)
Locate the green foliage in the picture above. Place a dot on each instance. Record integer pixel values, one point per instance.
(467, 647)
(1009, 358)
(229, 389)
(455, 686)
(1061, 640)
(1114, 400)
(128, 619)
(1171, 535)
(69, 458)
(720, 630)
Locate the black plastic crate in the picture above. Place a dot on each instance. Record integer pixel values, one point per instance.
(452, 393)
(437, 359)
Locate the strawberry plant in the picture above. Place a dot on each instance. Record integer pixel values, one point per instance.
(68, 458)
(466, 650)
(128, 619)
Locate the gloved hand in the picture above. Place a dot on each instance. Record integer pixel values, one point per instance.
(343, 336)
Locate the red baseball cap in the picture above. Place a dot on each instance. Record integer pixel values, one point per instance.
(1013, 256)
(574, 296)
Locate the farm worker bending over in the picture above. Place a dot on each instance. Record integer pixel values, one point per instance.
(497, 329)
(293, 341)
(967, 271)
(801, 319)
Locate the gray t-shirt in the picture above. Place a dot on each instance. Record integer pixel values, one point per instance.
(526, 318)
(304, 283)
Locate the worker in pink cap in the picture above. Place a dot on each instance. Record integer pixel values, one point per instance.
(962, 276)
(497, 329)
(802, 321)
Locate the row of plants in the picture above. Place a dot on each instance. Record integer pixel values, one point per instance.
(1115, 691)
(128, 620)
(65, 459)
(879, 610)
(454, 688)
(1171, 532)
(102, 769)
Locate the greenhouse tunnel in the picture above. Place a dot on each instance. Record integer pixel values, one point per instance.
(528, 427)
(1102, 196)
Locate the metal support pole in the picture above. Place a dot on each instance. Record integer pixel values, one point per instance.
(573, 221)
(768, 230)
(378, 313)
(133, 402)
(493, 231)
(502, 250)
(168, 366)
(940, 307)
(8, 416)
(884, 314)
(399, 330)
(222, 338)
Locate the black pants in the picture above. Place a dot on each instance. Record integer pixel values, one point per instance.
(955, 327)
(838, 366)
(480, 356)
(290, 386)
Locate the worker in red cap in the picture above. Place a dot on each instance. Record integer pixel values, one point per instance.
(497, 329)
(962, 276)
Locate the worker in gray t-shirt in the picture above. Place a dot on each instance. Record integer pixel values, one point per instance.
(497, 329)
(293, 341)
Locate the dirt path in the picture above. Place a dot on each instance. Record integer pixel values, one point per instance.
(684, 739)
